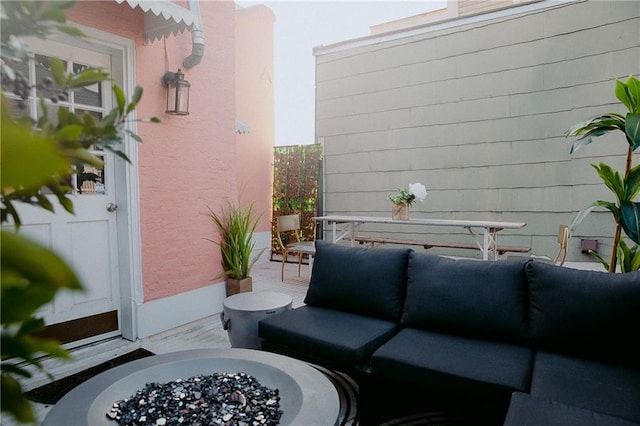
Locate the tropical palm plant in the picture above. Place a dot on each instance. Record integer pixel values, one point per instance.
(626, 186)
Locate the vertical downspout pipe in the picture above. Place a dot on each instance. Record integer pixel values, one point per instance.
(197, 36)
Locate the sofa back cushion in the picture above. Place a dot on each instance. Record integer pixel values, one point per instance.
(359, 280)
(585, 313)
(479, 299)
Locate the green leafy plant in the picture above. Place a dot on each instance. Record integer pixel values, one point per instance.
(625, 186)
(295, 188)
(628, 257)
(39, 154)
(415, 191)
(236, 225)
(31, 277)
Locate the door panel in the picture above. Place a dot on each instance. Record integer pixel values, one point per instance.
(88, 239)
(91, 260)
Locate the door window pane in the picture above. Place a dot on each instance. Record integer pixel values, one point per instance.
(90, 180)
(52, 111)
(44, 80)
(88, 95)
(97, 115)
(37, 81)
(16, 107)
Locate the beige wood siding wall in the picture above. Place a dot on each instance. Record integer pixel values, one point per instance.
(478, 113)
(471, 7)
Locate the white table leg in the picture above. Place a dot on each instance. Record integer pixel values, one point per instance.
(485, 244)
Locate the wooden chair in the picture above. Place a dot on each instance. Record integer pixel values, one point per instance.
(290, 225)
(563, 242)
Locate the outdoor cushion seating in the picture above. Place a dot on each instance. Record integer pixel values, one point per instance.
(453, 364)
(341, 325)
(463, 327)
(339, 339)
(340, 274)
(604, 387)
(467, 298)
(530, 411)
(584, 313)
(564, 338)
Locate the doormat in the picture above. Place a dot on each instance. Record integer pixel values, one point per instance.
(52, 392)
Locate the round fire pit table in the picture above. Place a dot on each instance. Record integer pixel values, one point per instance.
(242, 312)
(307, 397)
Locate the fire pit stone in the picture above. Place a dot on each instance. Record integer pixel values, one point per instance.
(306, 395)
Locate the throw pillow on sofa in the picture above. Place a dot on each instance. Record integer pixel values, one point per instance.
(467, 297)
(359, 280)
(585, 313)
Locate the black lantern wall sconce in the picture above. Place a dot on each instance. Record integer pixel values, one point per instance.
(177, 93)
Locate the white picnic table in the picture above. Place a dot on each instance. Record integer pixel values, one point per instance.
(484, 233)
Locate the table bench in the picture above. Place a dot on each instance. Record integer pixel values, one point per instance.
(427, 244)
(484, 233)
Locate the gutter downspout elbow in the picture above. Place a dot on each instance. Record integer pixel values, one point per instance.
(197, 36)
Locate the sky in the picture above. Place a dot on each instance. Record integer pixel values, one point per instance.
(302, 25)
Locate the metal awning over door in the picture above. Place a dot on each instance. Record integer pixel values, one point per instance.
(242, 127)
(162, 18)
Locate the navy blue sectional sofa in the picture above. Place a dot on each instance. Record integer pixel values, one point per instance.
(558, 346)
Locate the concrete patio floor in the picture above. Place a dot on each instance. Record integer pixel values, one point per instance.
(201, 334)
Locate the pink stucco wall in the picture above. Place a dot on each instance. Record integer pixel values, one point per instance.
(187, 163)
(254, 106)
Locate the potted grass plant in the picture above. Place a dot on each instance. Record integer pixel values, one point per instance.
(236, 226)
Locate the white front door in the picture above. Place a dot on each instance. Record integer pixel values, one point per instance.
(87, 240)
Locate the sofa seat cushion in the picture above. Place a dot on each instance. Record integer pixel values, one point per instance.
(324, 336)
(526, 410)
(454, 364)
(483, 300)
(607, 388)
(366, 281)
(587, 314)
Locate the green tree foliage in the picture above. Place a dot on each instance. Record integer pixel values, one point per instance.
(295, 187)
(38, 154)
(625, 186)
